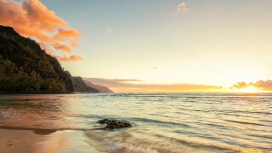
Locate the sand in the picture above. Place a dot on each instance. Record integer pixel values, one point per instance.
(44, 141)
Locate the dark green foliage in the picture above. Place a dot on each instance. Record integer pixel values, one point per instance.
(80, 86)
(25, 67)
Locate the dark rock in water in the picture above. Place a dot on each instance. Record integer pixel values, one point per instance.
(114, 124)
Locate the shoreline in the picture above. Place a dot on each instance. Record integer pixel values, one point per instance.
(18, 140)
(14, 93)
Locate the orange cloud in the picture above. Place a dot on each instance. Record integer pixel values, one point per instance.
(33, 19)
(65, 34)
(58, 45)
(34, 32)
(40, 16)
(74, 44)
(72, 58)
(261, 85)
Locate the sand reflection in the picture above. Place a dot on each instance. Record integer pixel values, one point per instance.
(41, 141)
(54, 143)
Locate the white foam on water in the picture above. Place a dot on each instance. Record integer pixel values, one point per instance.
(2, 112)
(128, 148)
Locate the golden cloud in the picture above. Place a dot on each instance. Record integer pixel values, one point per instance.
(261, 85)
(241, 85)
(67, 34)
(60, 46)
(74, 44)
(69, 59)
(40, 16)
(33, 19)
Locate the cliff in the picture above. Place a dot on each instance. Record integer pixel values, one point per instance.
(101, 89)
(80, 86)
(26, 68)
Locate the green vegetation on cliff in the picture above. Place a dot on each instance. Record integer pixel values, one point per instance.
(26, 68)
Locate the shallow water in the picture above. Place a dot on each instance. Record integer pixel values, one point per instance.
(165, 123)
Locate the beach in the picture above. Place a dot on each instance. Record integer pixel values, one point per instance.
(43, 141)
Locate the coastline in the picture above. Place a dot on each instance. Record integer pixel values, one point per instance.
(13, 93)
(17, 140)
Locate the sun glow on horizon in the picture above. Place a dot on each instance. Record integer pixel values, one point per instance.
(249, 89)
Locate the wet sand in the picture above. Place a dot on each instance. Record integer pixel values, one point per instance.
(43, 141)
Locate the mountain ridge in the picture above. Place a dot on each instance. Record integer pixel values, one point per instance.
(26, 68)
(100, 88)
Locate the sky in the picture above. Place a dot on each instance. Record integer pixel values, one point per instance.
(211, 45)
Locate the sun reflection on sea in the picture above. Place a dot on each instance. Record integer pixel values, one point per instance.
(245, 150)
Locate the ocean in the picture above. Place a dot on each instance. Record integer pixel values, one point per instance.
(161, 123)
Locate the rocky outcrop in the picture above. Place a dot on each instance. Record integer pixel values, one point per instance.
(114, 124)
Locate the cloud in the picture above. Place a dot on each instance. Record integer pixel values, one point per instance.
(109, 30)
(181, 8)
(74, 44)
(241, 85)
(261, 85)
(40, 16)
(60, 46)
(64, 34)
(69, 59)
(33, 19)
(134, 85)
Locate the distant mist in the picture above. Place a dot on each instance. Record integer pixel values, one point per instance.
(134, 85)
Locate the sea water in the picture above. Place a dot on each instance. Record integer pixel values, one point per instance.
(161, 123)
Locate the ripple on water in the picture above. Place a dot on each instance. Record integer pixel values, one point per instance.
(163, 122)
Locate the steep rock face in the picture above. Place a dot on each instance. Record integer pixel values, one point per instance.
(25, 67)
(101, 89)
(80, 86)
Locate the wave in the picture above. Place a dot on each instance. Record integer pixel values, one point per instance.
(203, 145)
(131, 142)
(128, 148)
(244, 122)
(159, 121)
